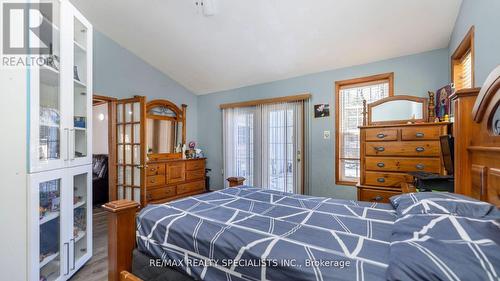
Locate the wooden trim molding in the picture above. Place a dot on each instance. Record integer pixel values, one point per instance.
(299, 97)
(111, 102)
(462, 49)
(343, 83)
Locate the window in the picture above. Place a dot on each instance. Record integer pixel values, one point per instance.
(462, 63)
(349, 108)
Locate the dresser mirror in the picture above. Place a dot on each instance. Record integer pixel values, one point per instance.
(165, 129)
(397, 110)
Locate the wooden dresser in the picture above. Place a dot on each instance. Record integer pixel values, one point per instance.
(171, 179)
(388, 152)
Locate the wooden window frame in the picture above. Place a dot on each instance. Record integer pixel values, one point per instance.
(338, 84)
(465, 46)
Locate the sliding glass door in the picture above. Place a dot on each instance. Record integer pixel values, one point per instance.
(264, 144)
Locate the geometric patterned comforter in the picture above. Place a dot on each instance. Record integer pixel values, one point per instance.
(253, 234)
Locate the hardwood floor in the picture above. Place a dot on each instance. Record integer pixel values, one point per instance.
(96, 268)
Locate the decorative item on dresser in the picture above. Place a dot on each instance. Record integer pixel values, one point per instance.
(393, 144)
(477, 149)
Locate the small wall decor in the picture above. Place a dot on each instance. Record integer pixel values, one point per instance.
(443, 101)
(321, 110)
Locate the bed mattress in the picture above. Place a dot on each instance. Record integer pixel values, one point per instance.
(254, 234)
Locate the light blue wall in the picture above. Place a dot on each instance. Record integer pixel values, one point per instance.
(119, 73)
(414, 75)
(483, 14)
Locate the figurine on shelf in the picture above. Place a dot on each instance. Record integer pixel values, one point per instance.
(432, 107)
(75, 73)
(55, 204)
(184, 150)
(199, 153)
(178, 148)
(77, 199)
(42, 211)
(191, 152)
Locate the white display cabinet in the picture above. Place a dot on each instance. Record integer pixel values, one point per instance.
(60, 148)
(61, 222)
(61, 94)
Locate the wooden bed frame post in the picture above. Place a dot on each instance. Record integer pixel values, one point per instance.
(121, 236)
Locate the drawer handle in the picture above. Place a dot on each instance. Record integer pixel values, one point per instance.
(381, 180)
(420, 166)
(377, 198)
(381, 136)
(379, 148)
(380, 165)
(420, 149)
(419, 135)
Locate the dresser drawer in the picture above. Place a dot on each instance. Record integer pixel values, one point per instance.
(190, 187)
(155, 169)
(176, 172)
(195, 165)
(160, 193)
(386, 179)
(403, 148)
(155, 180)
(392, 164)
(421, 133)
(193, 175)
(381, 134)
(374, 195)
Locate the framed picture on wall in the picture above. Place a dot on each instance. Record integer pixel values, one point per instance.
(321, 110)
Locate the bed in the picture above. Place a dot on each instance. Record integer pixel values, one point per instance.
(248, 233)
(254, 234)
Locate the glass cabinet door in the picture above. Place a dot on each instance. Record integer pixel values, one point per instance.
(82, 91)
(49, 246)
(50, 226)
(47, 134)
(81, 230)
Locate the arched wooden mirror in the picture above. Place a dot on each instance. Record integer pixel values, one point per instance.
(165, 129)
(397, 110)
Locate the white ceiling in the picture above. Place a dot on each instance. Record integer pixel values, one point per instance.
(255, 41)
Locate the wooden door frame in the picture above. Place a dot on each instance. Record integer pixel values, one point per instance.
(111, 102)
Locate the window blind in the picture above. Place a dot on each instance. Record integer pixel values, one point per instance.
(463, 72)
